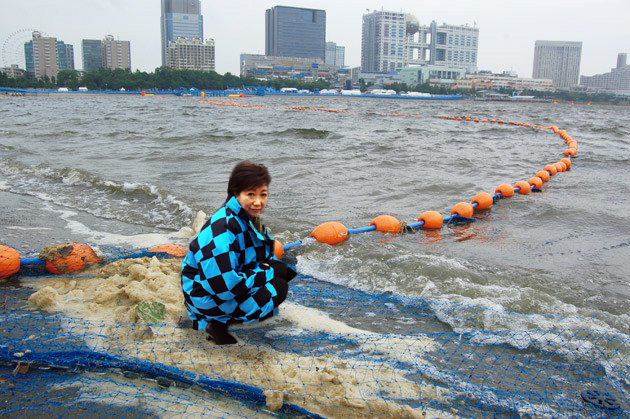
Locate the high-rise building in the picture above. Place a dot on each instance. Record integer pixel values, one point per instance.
(106, 53)
(92, 54)
(295, 32)
(447, 45)
(622, 59)
(116, 54)
(335, 54)
(41, 56)
(185, 54)
(383, 41)
(340, 58)
(180, 19)
(558, 61)
(393, 40)
(617, 80)
(65, 56)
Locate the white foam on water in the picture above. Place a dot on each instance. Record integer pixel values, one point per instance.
(329, 269)
(84, 191)
(27, 228)
(105, 238)
(562, 329)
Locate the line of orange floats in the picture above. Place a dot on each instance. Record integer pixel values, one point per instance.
(291, 108)
(231, 103)
(68, 258)
(334, 232)
(74, 257)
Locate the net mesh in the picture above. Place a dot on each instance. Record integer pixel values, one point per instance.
(333, 352)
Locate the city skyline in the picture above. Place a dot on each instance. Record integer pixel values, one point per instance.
(506, 42)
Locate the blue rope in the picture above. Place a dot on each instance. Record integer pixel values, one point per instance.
(292, 245)
(141, 254)
(413, 226)
(32, 262)
(361, 230)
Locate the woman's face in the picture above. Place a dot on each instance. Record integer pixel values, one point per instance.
(253, 201)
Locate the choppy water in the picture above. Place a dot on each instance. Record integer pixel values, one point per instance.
(97, 168)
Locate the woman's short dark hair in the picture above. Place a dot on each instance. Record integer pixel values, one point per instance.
(247, 175)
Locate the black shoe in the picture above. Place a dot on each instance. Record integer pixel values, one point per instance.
(218, 333)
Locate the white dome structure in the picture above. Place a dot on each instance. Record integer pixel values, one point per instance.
(412, 24)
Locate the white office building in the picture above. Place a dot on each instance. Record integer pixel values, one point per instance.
(392, 40)
(335, 54)
(116, 54)
(558, 61)
(616, 81)
(191, 54)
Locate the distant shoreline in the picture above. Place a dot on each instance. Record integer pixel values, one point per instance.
(209, 94)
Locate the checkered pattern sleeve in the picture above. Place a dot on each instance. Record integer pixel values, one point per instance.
(222, 260)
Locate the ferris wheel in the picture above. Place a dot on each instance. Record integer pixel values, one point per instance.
(13, 47)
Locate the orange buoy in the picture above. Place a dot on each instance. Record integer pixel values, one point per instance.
(459, 118)
(555, 129)
(467, 119)
(511, 122)
(560, 166)
(330, 232)
(68, 257)
(527, 125)
(543, 175)
(500, 121)
(483, 200)
(524, 187)
(570, 152)
(432, 219)
(9, 262)
(492, 120)
(567, 161)
(505, 190)
(278, 249)
(172, 249)
(484, 120)
(520, 124)
(452, 118)
(551, 169)
(463, 209)
(387, 224)
(535, 181)
(476, 120)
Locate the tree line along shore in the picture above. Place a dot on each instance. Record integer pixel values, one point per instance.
(165, 78)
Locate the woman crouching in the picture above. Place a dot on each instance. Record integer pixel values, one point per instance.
(230, 274)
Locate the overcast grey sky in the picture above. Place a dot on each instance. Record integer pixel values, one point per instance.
(507, 28)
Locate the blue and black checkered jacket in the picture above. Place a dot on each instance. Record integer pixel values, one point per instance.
(222, 272)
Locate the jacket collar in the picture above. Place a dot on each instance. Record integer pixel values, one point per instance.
(236, 208)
